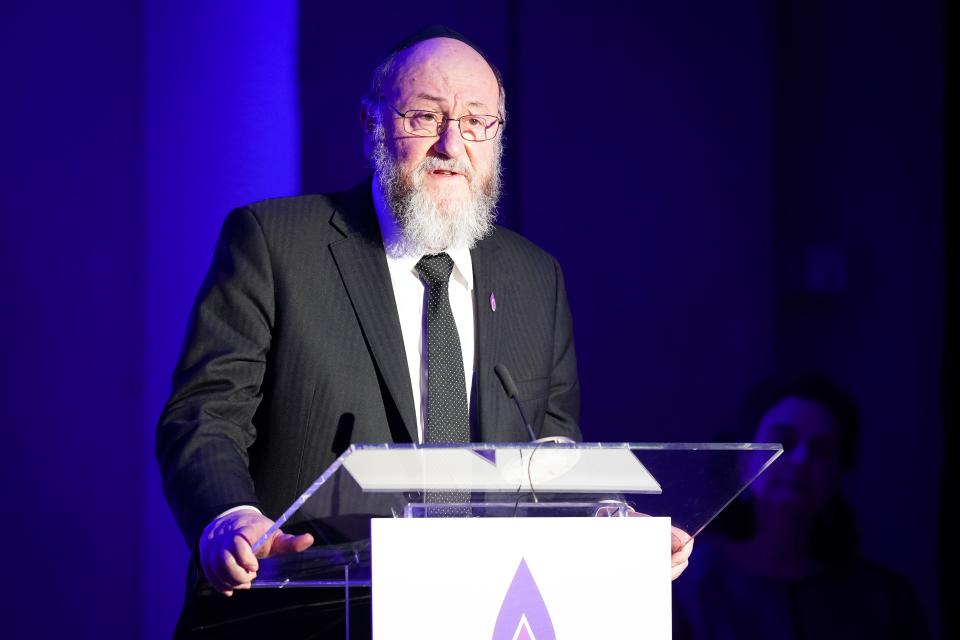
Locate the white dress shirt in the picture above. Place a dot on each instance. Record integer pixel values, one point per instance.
(409, 293)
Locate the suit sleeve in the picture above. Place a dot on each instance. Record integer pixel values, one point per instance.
(563, 404)
(207, 425)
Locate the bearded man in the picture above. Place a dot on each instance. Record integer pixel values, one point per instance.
(310, 331)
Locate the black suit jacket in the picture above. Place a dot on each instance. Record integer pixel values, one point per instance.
(294, 351)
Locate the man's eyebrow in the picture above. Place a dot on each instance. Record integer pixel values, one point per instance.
(477, 104)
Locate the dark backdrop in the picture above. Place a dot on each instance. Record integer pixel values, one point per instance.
(730, 189)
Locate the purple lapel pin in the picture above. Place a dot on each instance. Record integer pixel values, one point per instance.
(493, 302)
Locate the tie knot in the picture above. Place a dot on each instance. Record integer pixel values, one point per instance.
(435, 269)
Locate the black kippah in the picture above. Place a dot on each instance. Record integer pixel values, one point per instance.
(436, 31)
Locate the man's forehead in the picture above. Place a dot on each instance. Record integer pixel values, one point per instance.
(434, 67)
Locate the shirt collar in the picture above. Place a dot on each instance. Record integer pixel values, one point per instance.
(390, 231)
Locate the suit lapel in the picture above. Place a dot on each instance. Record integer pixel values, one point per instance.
(363, 268)
(490, 284)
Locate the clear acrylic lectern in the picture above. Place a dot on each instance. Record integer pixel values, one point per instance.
(690, 483)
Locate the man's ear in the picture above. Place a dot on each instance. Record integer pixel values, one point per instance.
(368, 122)
(367, 118)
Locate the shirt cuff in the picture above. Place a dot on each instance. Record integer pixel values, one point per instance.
(240, 508)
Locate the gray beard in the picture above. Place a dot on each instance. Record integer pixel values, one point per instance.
(428, 226)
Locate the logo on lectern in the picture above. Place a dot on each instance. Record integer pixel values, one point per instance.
(523, 614)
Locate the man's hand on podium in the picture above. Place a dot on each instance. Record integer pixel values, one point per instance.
(226, 548)
(681, 546)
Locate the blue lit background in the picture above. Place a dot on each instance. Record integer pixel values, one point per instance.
(757, 185)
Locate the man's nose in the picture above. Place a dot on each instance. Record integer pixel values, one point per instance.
(450, 142)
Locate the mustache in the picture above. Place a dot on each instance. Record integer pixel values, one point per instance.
(433, 163)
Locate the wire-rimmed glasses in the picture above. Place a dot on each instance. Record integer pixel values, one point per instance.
(429, 124)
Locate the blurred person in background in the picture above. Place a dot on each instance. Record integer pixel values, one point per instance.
(782, 560)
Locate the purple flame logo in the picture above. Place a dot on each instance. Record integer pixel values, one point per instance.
(523, 614)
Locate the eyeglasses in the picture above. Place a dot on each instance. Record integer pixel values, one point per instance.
(429, 124)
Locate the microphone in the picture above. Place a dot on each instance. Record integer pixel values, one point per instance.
(511, 388)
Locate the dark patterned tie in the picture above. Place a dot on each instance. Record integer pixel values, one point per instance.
(447, 418)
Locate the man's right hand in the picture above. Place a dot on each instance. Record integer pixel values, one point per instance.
(226, 548)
